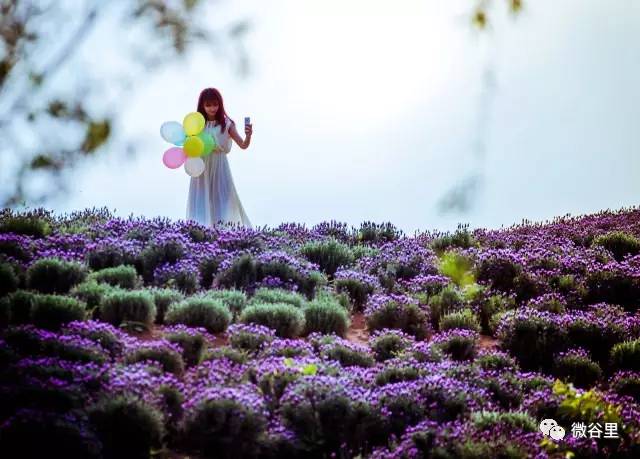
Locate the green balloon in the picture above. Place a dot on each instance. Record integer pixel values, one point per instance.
(209, 142)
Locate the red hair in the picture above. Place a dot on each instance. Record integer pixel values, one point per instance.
(213, 95)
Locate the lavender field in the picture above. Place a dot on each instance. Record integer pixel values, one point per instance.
(136, 338)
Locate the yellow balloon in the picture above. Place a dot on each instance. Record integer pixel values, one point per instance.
(193, 123)
(193, 146)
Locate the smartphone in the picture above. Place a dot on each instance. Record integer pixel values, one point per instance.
(247, 120)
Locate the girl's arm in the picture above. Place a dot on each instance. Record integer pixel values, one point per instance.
(233, 133)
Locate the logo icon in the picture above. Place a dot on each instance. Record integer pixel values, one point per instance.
(549, 427)
(557, 433)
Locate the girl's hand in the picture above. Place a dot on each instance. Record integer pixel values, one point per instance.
(248, 129)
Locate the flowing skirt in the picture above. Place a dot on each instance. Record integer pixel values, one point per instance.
(212, 195)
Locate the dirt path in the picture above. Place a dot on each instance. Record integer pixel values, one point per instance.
(357, 332)
(488, 343)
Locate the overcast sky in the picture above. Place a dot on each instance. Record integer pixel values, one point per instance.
(371, 110)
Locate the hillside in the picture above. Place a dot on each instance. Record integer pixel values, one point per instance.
(129, 337)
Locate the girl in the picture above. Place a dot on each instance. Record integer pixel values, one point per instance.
(212, 195)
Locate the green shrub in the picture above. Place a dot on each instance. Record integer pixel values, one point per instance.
(326, 316)
(128, 306)
(27, 342)
(456, 267)
(321, 414)
(126, 427)
(370, 232)
(464, 319)
(387, 344)
(499, 271)
(52, 311)
(597, 336)
(16, 247)
(532, 339)
(626, 355)
(169, 358)
(505, 390)
(491, 420)
(459, 344)
(280, 267)
(237, 356)
(627, 383)
(191, 342)
(619, 244)
(163, 299)
(27, 225)
(423, 352)
(156, 254)
(251, 338)
(490, 306)
(552, 303)
(613, 287)
(357, 290)
(225, 427)
(122, 276)
(496, 361)
(277, 295)
(527, 286)
(9, 281)
(240, 275)
(235, 300)
(362, 251)
(448, 300)
(208, 269)
(348, 355)
(494, 321)
(395, 374)
(576, 367)
(404, 316)
(570, 288)
(285, 319)
(91, 292)
(20, 305)
(213, 315)
(108, 256)
(329, 255)
(101, 333)
(461, 238)
(50, 275)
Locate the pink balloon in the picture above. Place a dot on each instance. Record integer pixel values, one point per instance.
(174, 157)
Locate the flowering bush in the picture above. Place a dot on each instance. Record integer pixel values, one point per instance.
(396, 311)
(51, 275)
(560, 298)
(200, 312)
(225, 422)
(250, 337)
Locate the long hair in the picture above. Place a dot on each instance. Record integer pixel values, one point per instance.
(213, 95)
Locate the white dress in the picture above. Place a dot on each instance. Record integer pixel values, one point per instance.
(212, 195)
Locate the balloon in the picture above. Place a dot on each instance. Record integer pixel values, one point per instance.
(172, 132)
(193, 146)
(209, 142)
(194, 167)
(193, 123)
(174, 157)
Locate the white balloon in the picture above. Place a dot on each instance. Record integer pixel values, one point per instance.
(194, 167)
